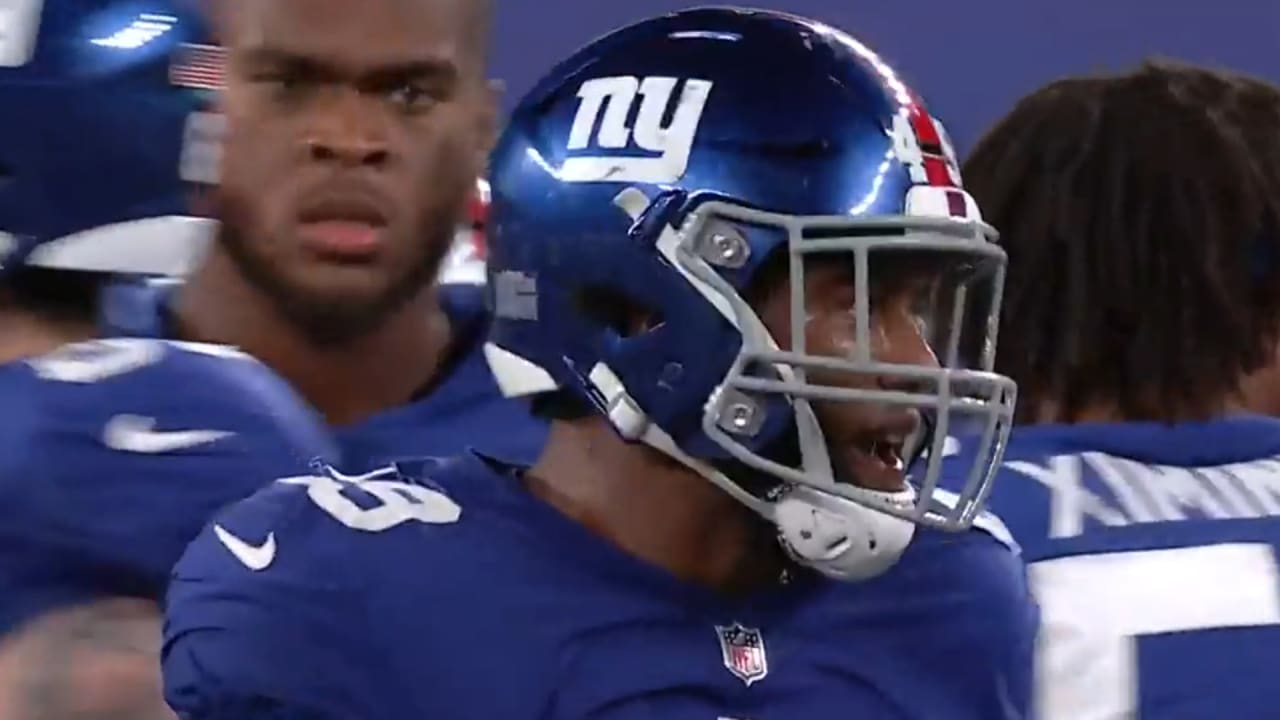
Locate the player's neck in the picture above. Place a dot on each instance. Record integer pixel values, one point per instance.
(347, 383)
(654, 508)
(24, 335)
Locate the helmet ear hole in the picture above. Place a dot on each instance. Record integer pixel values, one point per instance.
(614, 310)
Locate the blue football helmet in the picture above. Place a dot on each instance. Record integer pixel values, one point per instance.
(101, 117)
(667, 163)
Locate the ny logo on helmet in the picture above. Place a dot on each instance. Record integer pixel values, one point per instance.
(600, 127)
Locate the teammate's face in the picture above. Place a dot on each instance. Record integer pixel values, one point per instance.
(865, 440)
(356, 129)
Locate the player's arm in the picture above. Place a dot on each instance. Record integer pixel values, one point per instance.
(97, 661)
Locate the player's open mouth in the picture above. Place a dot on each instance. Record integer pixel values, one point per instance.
(874, 460)
(883, 449)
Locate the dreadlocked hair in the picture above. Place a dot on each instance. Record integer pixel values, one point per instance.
(1139, 213)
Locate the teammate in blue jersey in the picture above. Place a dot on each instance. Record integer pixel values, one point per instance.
(1141, 322)
(113, 453)
(461, 411)
(716, 527)
(345, 166)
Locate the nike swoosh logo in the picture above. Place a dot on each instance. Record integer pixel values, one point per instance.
(136, 434)
(254, 557)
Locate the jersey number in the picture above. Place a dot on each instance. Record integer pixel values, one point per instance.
(94, 361)
(97, 360)
(385, 503)
(1095, 607)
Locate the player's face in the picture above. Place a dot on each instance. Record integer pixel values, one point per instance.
(355, 132)
(865, 440)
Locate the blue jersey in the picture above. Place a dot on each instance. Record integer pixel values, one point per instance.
(1152, 552)
(465, 597)
(462, 409)
(115, 453)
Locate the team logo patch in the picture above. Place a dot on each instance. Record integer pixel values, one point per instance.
(743, 652)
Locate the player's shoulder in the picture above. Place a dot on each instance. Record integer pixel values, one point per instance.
(964, 596)
(130, 389)
(982, 564)
(297, 560)
(182, 427)
(304, 558)
(325, 527)
(114, 454)
(151, 370)
(975, 580)
(973, 574)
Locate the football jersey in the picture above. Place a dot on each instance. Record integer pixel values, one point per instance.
(463, 408)
(113, 455)
(465, 597)
(1152, 552)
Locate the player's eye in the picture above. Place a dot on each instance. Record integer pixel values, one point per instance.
(924, 299)
(280, 85)
(410, 97)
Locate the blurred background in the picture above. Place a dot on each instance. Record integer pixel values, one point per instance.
(969, 58)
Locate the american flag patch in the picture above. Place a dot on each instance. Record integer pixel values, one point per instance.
(200, 67)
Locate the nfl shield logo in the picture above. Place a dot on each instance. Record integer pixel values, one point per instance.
(743, 651)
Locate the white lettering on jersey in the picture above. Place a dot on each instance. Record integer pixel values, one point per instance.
(255, 557)
(1096, 607)
(1093, 608)
(601, 125)
(135, 434)
(19, 27)
(395, 502)
(1139, 493)
(1071, 502)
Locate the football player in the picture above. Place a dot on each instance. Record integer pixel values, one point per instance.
(726, 249)
(1142, 322)
(113, 453)
(346, 166)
